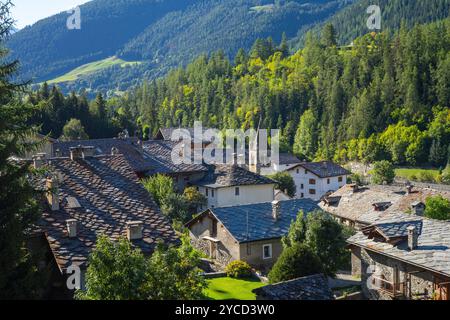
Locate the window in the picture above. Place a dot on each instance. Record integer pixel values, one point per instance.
(302, 186)
(267, 251)
(212, 193)
(312, 181)
(306, 171)
(236, 191)
(207, 192)
(298, 171)
(198, 189)
(302, 195)
(328, 181)
(312, 191)
(340, 179)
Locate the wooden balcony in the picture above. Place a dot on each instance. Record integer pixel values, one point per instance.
(394, 290)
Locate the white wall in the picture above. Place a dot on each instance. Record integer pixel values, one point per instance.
(225, 197)
(321, 187)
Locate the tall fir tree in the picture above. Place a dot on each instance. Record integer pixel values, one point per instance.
(18, 206)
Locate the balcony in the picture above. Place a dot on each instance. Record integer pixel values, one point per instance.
(394, 290)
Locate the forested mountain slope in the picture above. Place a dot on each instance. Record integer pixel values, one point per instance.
(351, 21)
(387, 97)
(160, 34)
(48, 49)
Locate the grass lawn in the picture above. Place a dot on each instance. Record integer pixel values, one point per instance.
(232, 289)
(408, 173)
(91, 68)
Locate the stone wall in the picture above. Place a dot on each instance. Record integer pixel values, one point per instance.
(418, 283)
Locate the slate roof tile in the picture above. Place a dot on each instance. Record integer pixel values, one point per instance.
(110, 195)
(313, 287)
(231, 175)
(261, 225)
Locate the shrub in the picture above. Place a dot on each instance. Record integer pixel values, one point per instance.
(383, 171)
(437, 208)
(295, 262)
(285, 182)
(238, 269)
(426, 176)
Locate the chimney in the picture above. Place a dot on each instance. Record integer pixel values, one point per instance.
(53, 193)
(39, 160)
(409, 189)
(234, 159)
(140, 146)
(134, 230)
(413, 237)
(354, 187)
(276, 210)
(81, 152)
(418, 208)
(114, 151)
(71, 228)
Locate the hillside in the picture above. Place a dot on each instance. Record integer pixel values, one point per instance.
(160, 34)
(351, 21)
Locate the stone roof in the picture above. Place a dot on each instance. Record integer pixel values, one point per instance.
(393, 231)
(109, 195)
(324, 169)
(166, 133)
(313, 287)
(288, 158)
(128, 147)
(261, 224)
(223, 175)
(159, 154)
(359, 206)
(433, 249)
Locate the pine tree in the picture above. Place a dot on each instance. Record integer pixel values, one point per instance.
(18, 207)
(329, 36)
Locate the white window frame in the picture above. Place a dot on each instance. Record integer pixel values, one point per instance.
(270, 250)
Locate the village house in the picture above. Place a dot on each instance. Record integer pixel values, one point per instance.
(230, 185)
(250, 233)
(130, 147)
(286, 161)
(158, 153)
(315, 179)
(360, 206)
(403, 256)
(87, 196)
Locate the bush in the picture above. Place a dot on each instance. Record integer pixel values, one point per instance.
(426, 176)
(238, 269)
(383, 172)
(295, 262)
(285, 182)
(437, 208)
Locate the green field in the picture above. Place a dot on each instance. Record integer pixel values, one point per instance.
(91, 68)
(416, 173)
(232, 289)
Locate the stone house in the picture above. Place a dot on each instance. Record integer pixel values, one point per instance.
(158, 153)
(404, 257)
(315, 179)
(360, 206)
(250, 233)
(87, 196)
(231, 185)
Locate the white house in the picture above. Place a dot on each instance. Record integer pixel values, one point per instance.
(231, 185)
(314, 179)
(286, 162)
